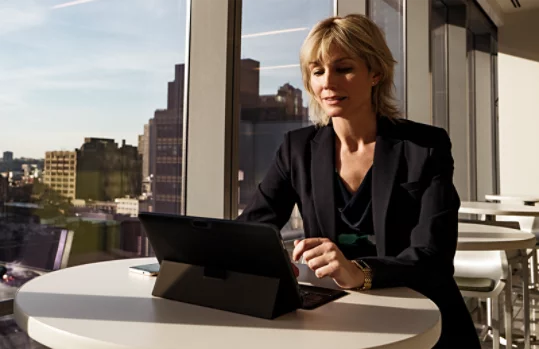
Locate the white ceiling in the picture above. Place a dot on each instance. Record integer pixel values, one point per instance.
(507, 6)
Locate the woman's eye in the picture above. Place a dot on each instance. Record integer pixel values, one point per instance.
(318, 72)
(344, 69)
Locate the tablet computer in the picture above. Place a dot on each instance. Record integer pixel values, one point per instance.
(243, 247)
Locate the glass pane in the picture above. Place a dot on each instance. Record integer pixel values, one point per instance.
(273, 100)
(439, 65)
(389, 15)
(472, 150)
(94, 92)
(495, 114)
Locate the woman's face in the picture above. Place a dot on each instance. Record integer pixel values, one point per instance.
(342, 85)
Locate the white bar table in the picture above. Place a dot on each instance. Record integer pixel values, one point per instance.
(477, 237)
(104, 306)
(480, 237)
(527, 225)
(527, 200)
(492, 209)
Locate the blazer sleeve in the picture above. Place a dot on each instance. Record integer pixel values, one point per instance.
(274, 197)
(433, 240)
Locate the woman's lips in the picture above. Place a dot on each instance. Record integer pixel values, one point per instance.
(334, 100)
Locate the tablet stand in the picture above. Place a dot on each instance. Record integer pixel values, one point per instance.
(242, 293)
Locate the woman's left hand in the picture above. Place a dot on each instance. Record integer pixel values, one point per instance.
(326, 259)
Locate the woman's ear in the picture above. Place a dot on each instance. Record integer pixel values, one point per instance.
(375, 79)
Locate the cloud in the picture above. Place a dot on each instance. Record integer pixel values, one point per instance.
(158, 8)
(10, 101)
(101, 72)
(130, 60)
(140, 60)
(26, 14)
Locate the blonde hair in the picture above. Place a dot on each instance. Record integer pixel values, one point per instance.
(358, 37)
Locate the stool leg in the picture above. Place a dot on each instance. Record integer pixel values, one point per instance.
(526, 299)
(508, 312)
(495, 322)
(534, 272)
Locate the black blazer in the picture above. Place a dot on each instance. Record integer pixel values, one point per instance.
(415, 208)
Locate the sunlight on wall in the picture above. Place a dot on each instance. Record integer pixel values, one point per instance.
(519, 124)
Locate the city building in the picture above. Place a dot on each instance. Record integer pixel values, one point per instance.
(8, 156)
(166, 148)
(4, 187)
(127, 206)
(263, 122)
(60, 172)
(106, 171)
(144, 151)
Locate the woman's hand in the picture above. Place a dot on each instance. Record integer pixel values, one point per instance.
(326, 259)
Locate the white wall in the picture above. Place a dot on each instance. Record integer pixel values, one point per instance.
(518, 69)
(418, 74)
(459, 115)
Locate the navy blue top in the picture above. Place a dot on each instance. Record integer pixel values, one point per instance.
(355, 231)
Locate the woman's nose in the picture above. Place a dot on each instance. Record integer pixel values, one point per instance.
(329, 80)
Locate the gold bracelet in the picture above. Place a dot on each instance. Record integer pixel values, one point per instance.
(367, 271)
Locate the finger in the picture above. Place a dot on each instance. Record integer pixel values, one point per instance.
(317, 262)
(305, 245)
(326, 249)
(296, 242)
(327, 270)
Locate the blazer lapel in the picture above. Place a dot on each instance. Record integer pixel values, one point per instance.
(387, 154)
(322, 172)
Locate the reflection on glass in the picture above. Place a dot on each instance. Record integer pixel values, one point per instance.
(389, 16)
(273, 100)
(439, 53)
(472, 116)
(94, 92)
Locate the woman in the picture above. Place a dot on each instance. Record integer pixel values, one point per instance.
(375, 192)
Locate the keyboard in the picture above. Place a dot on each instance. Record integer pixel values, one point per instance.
(312, 296)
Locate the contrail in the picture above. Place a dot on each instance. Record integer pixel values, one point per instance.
(71, 3)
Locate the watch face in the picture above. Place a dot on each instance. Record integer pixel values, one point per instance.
(362, 265)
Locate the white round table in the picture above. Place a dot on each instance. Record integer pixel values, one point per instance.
(480, 237)
(491, 209)
(105, 306)
(528, 200)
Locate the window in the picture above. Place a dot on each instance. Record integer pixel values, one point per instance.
(389, 16)
(440, 107)
(272, 97)
(89, 82)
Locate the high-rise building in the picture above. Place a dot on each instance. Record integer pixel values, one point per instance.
(8, 156)
(249, 83)
(165, 151)
(4, 184)
(60, 172)
(264, 121)
(106, 172)
(144, 151)
(286, 105)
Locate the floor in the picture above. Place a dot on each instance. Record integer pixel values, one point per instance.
(12, 337)
(518, 324)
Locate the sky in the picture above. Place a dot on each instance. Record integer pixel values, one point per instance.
(71, 69)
